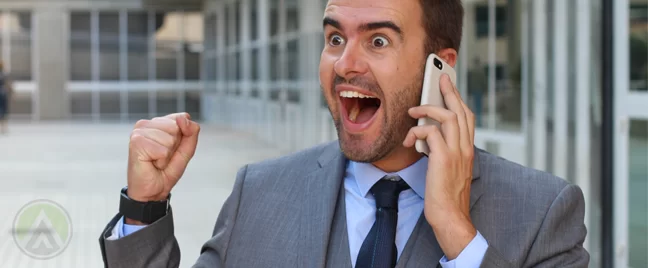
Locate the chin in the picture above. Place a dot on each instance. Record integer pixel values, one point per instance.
(365, 147)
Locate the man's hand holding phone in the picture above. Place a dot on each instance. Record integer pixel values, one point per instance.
(449, 175)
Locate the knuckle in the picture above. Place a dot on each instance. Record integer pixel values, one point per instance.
(141, 123)
(136, 134)
(453, 117)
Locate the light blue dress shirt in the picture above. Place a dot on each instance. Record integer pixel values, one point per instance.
(361, 212)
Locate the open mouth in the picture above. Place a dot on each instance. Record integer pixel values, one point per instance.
(359, 108)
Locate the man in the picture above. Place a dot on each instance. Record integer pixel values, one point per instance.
(6, 94)
(368, 200)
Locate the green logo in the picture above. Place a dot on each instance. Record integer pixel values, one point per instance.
(42, 229)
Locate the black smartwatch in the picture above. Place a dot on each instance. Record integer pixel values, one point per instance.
(146, 212)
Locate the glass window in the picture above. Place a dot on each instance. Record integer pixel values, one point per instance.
(109, 104)
(192, 103)
(109, 46)
(209, 30)
(20, 49)
(237, 66)
(138, 105)
(237, 23)
(254, 27)
(80, 47)
(231, 67)
(227, 25)
(217, 68)
(638, 47)
(292, 60)
(81, 103)
(209, 73)
(166, 102)
(167, 44)
(274, 63)
(481, 20)
(138, 46)
(193, 41)
(292, 15)
(274, 18)
(638, 193)
(506, 112)
(254, 65)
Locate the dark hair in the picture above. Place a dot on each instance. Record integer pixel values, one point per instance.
(443, 23)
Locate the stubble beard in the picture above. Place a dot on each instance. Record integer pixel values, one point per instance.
(395, 126)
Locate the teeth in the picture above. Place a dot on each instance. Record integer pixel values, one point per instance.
(353, 94)
(354, 113)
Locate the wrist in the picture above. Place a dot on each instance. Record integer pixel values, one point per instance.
(453, 232)
(139, 210)
(143, 198)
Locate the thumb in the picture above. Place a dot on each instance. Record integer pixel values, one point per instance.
(186, 149)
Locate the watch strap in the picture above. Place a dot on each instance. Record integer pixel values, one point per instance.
(146, 212)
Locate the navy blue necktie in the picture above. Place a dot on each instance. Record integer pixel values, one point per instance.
(379, 247)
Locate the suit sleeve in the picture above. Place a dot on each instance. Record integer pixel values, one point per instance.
(559, 242)
(153, 246)
(214, 252)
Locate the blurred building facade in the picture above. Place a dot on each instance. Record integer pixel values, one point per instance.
(252, 65)
(102, 60)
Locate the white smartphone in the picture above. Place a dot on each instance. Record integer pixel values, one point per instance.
(431, 92)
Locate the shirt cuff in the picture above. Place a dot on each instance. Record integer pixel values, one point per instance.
(121, 229)
(471, 256)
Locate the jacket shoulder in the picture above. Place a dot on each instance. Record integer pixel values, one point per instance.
(288, 166)
(502, 177)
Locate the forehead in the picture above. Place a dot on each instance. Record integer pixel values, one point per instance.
(351, 12)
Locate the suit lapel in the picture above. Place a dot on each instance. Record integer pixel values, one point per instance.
(321, 189)
(339, 255)
(422, 248)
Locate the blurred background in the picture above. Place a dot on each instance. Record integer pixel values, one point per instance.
(532, 71)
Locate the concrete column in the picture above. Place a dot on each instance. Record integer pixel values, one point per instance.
(52, 49)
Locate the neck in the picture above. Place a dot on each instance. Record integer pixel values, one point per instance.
(399, 159)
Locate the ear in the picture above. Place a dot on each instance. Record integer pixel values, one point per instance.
(449, 55)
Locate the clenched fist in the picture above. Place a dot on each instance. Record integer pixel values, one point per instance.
(159, 152)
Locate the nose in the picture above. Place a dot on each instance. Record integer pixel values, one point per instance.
(351, 63)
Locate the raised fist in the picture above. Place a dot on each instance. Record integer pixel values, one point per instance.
(159, 152)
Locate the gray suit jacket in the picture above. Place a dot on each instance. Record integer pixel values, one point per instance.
(290, 212)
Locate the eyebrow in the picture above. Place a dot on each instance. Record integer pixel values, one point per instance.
(371, 26)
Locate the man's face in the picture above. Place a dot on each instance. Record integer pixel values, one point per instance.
(371, 72)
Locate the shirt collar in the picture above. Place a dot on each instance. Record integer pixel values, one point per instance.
(367, 175)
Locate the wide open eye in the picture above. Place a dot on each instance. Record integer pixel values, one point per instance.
(379, 42)
(336, 40)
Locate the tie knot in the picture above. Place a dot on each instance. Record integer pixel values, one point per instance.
(386, 191)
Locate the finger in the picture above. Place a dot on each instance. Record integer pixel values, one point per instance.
(185, 151)
(162, 123)
(166, 140)
(454, 103)
(447, 119)
(437, 144)
(184, 122)
(470, 120)
(147, 150)
(163, 138)
(425, 133)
